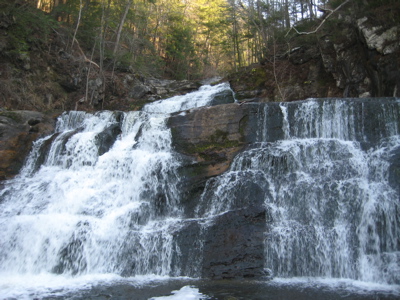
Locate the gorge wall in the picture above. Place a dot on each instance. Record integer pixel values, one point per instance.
(313, 172)
(355, 53)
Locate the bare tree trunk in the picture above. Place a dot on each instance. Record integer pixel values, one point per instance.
(287, 15)
(121, 24)
(302, 9)
(235, 40)
(311, 8)
(77, 23)
(103, 29)
(262, 29)
(274, 69)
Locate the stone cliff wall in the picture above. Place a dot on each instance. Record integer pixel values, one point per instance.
(354, 54)
(210, 137)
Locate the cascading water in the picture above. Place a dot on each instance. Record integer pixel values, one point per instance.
(80, 211)
(100, 198)
(332, 205)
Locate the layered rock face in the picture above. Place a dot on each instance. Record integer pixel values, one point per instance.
(269, 176)
(212, 135)
(233, 247)
(18, 130)
(352, 55)
(365, 61)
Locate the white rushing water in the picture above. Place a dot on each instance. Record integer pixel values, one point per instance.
(80, 212)
(331, 209)
(98, 202)
(186, 292)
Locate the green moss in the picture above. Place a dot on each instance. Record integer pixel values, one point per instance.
(193, 170)
(219, 136)
(252, 77)
(209, 150)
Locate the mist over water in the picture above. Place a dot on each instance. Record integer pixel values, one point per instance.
(98, 202)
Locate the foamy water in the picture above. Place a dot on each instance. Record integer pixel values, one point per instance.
(101, 211)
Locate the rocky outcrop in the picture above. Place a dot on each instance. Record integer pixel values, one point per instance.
(385, 41)
(364, 61)
(18, 130)
(210, 138)
(352, 55)
(300, 76)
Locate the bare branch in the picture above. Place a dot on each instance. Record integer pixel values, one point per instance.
(83, 54)
(323, 21)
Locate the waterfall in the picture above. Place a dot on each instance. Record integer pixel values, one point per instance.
(332, 208)
(103, 195)
(99, 196)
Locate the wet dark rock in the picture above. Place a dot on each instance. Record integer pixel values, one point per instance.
(234, 245)
(18, 130)
(107, 138)
(210, 138)
(189, 239)
(223, 97)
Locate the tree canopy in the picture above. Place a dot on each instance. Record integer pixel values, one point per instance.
(180, 39)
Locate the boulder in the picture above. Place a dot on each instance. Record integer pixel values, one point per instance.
(96, 90)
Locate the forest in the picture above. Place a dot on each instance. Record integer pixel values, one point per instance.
(60, 54)
(178, 39)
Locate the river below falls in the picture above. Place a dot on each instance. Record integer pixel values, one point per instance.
(159, 288)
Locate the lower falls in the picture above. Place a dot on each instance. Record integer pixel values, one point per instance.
(315, 194)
